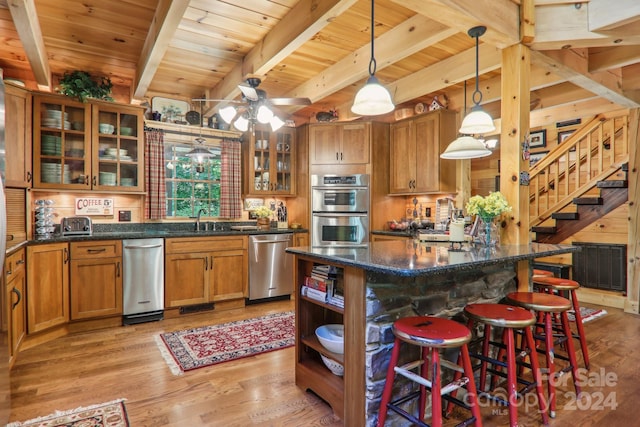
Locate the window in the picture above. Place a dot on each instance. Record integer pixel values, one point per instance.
(191, 186)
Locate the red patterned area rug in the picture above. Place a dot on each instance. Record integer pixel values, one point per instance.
(109, 414)
(196, 348)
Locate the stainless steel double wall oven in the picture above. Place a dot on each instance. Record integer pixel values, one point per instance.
(340, 210)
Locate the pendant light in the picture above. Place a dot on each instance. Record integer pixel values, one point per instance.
(465, 146)
(477, 121)
(373, 98)
(200, 153)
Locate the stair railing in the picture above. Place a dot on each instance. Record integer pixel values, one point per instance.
(592, 153)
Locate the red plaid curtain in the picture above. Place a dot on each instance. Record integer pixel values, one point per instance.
(230, 192)
(154, 206)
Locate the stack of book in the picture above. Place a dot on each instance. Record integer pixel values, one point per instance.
(323, 285)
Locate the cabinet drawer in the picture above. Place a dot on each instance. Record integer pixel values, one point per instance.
(204, 244)
(103, 248)
(14, 263)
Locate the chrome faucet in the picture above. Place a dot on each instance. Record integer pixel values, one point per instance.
(200, 212)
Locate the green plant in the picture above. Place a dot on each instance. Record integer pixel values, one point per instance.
(81, 85)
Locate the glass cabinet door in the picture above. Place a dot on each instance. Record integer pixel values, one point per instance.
(61, 141)
(117, 149)
(272, 169)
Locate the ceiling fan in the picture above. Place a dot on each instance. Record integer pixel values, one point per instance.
(255, 106)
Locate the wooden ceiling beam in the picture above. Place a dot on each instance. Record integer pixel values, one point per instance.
(305, 20)
(572, 64)
(614, 57)
(163, 27)
(411, 36)
(25, 18)
(501, 17)
(567, 25)
(605, 16)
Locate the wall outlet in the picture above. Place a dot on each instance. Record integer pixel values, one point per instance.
(124, 216)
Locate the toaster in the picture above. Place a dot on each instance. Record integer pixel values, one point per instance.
(76, 226)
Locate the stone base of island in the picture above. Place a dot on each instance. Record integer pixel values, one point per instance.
(384, 282)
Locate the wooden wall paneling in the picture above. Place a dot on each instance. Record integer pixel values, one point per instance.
(633, 248)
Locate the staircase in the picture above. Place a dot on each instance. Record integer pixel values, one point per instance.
(579, 181)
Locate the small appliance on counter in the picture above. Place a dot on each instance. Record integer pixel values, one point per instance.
(76, 226)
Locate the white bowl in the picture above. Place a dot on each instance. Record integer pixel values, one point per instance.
(334, 367)
(331, 337)
(105, 128)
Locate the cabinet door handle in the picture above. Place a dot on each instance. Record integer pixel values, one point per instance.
(206, 263)
(340, 156)
(17, 292)
(20, 262)
(211, 262)
(337, 158)
(29, 176)
(94, 180)
(118, 269)
(66, 256)
(9, 272)
(96, 251)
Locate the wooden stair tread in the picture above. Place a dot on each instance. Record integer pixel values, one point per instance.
(565, 215)
(587, 201)
(614, 183)
(541, 229)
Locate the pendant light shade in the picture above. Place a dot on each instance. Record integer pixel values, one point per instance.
(465, 147)
(477, 121)
(373, 98)
(199, 153)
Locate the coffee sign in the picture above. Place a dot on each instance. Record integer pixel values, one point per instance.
(94, 206)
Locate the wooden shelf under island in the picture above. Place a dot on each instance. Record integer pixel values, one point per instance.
(382, 282)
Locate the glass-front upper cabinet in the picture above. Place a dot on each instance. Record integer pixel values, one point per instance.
(117, 148)
(62, 142)
(96, 145)
(271, 162)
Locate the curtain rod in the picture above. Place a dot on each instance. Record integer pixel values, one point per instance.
(181, 132)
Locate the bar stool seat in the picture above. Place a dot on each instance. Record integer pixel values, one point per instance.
(548, 305)
(509, 318)
(431, 334)
(557, 284)
(542, 273)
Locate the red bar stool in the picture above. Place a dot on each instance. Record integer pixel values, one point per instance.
(431, 334)
(509, 318)
(559, 285)
(549, 305)
(542, 273)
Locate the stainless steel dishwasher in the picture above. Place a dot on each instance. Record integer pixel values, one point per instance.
(143, 280)
(270, 267)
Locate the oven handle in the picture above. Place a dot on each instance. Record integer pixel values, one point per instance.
(339, 214)
(339, 187)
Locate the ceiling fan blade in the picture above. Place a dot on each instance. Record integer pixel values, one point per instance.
(290, 101)
(249, 92)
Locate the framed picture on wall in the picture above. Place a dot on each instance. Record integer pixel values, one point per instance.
(563, 135)
(538, 139)
(536, 157)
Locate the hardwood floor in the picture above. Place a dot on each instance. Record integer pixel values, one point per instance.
(125, 362)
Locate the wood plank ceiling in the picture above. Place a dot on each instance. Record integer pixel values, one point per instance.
(585, 53)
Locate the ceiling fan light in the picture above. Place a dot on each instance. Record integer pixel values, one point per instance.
(242, 124)
(372, 99)
(264, 114)
(276, 123)
(491, 143)
(465, 147)
(477, 122)
(228, 113)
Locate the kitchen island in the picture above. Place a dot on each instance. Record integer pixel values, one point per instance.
(381, 283)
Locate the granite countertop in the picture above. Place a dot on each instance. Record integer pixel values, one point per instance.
(148, 231)
(416, 258)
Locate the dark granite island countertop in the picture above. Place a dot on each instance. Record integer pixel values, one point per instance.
(410, 258)
(383, 282)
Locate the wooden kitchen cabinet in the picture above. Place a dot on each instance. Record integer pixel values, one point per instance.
(47, 286)
(73, 151)
(339, 143)
(17, 134)
(270, 163)
(301, 239)
(416, 144)
(96, 279)
(15, 279)
(205, 270)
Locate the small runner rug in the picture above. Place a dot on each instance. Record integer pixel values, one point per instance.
(588, 314)
(196, 348)
(109, 414)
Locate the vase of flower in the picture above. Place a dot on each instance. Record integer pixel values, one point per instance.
(263, 214)
(488, 209)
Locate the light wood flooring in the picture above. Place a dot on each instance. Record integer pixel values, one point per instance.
(125, 362)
